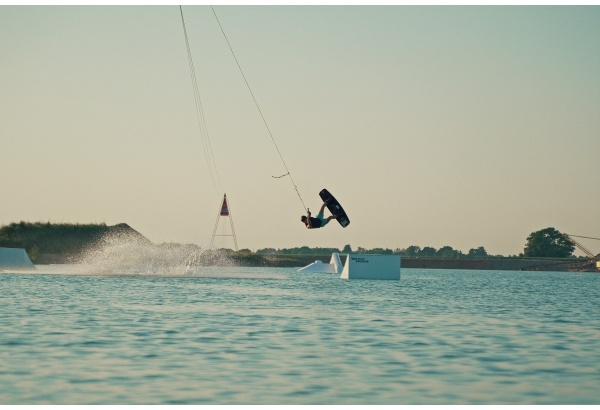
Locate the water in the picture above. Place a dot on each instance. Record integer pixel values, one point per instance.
(274, 336)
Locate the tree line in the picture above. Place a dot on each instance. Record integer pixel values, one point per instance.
(545, 243)
(72, 239)
(412, 251)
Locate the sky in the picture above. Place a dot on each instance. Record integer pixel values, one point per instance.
(463, 126)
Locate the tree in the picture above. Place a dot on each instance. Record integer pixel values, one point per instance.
(428, 252)
(478, 253)
(347, 249)
(448, 252)
(412, 250)
(380, 251)
(548, 243)
(266, 251)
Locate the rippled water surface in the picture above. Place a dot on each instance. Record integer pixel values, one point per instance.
(274, 336)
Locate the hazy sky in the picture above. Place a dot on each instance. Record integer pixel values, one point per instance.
(464, 126)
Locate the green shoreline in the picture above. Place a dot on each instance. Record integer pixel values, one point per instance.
(48, 243)
(298, 261)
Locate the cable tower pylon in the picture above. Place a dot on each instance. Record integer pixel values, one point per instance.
(224, 211)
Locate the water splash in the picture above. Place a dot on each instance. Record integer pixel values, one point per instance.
(121, 254)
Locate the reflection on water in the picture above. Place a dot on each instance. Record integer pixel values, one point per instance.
(236, 336)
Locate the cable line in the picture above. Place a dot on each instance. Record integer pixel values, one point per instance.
(586, 237)
(288, 173)
(206, 145)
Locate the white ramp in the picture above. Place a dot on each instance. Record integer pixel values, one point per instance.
(336, 262)
(334, 265)
(365, 266)
(317, 266)
(15, 259)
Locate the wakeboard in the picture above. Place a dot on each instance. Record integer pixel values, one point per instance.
(335, 208)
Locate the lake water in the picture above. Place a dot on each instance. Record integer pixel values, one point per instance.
(275, 336)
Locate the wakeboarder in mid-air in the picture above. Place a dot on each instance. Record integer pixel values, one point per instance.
(318, 222)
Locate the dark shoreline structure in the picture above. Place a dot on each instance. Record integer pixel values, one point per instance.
(48, 243)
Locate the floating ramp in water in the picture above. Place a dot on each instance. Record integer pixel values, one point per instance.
(334, 265)
(359, 266)
(15, 259)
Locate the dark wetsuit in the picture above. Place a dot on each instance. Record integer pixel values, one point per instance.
(315, 222)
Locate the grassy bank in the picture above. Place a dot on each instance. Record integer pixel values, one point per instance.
(65, 242)
(48, 243)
